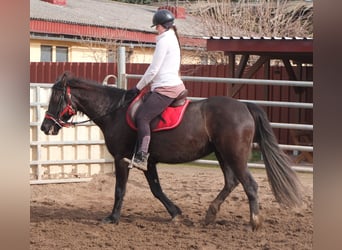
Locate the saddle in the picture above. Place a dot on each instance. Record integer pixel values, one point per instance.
(169, 119)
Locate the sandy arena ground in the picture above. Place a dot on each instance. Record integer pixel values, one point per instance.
(68, 216)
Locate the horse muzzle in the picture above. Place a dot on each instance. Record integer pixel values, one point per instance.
(49, 127)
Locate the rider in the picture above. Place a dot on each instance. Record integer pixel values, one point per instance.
(164, 79)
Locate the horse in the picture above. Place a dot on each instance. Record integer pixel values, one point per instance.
(219, 124)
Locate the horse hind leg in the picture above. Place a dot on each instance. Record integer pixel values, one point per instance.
(230, 182)
(251, 189)
(235, 172)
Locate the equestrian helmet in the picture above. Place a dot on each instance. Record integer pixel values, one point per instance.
(161, 17)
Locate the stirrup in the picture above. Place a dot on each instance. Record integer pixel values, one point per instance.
(139, 165)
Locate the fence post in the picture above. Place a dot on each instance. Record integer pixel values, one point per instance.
(122, 83)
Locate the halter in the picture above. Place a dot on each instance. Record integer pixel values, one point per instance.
(68, 109)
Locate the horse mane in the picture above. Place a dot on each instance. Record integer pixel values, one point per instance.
(82, 83)
(113, 94)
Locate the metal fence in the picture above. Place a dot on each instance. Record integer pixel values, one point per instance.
(294, 148)
(77, 153)
(48, 72)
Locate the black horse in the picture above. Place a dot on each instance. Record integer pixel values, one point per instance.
(219, 124)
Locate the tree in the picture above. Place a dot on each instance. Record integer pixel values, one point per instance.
(255, 18)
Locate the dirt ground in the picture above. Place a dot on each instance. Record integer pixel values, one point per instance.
(68, 216)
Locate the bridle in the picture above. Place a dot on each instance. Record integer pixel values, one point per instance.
(68, 109)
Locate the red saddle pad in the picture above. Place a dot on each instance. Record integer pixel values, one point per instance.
(170, 118)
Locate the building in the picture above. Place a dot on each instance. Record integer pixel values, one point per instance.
(92, 30)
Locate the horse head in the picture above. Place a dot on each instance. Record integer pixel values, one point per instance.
(60, 108)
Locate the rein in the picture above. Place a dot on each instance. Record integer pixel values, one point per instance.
(57, 119)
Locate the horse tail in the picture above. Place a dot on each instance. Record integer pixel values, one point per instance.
(283, 180)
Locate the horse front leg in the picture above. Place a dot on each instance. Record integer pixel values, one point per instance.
(153, 181)
(121, 175)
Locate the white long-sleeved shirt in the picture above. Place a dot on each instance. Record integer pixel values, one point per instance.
(164, 69)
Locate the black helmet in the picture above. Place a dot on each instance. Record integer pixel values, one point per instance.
(162, 16)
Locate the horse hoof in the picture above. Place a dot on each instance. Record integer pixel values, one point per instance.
(177, 220)
(210, 216)
(109, 220)
(256, 222)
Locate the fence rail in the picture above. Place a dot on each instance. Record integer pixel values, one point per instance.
(238, 80)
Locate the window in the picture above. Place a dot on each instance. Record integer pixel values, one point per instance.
(111, 56)
(61, 54)
(45, 53)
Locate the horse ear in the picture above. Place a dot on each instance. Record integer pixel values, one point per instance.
(64, 77)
